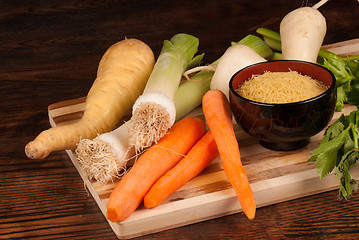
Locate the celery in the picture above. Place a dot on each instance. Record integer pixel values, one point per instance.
(271, 38)
(269, 33)
(338, 152)
(276, 56)
(272, 43)
(257, 44)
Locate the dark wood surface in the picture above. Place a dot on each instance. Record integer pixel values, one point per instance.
(49, 52)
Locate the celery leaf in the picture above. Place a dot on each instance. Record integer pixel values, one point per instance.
(347, 183)
(338, 151)
(326, 154)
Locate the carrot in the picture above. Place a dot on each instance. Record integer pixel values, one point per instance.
(121, 77)
(204, 152)
(155, 162)
(218, 116)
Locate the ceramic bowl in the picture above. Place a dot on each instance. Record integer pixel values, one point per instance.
(286, 126)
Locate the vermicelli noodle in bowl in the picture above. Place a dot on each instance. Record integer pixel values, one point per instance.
(280, 87)
(283, 103)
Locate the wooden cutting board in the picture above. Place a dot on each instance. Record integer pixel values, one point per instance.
(274, 176)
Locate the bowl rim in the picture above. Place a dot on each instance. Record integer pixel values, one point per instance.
(331, 88)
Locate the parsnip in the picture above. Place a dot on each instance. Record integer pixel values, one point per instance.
(122, 75)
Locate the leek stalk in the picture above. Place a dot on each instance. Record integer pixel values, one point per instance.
(154, 111)
(189, 94)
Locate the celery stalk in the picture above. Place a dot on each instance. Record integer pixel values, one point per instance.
(276, 56)
(269, 33)
(257, 44)
(271, 38)
(272, 43)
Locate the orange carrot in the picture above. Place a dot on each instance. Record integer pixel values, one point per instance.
(218, 116)
(204, 152)
(154, 163)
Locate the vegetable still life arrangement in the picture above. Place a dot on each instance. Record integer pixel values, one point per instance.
(167, 147)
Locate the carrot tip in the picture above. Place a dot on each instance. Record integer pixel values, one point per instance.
(250, 215)
(112, 215)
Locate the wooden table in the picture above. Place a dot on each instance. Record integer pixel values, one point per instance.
(50, 52)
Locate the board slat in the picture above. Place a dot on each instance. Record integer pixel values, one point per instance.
(274, 176)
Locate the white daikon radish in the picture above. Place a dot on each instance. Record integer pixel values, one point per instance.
(302, 33)
(234, 59)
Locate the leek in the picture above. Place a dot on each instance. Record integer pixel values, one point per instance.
(154, 111)
(189, 94)
(106, 157)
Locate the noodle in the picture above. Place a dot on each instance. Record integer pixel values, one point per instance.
(280, 87)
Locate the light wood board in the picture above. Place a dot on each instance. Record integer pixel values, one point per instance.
(274, 176)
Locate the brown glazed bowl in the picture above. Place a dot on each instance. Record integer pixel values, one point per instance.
(287, 126)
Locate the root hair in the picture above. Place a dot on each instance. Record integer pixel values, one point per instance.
(149, 123)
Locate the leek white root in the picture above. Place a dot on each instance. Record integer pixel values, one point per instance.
(151, 120)
(106, 156)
